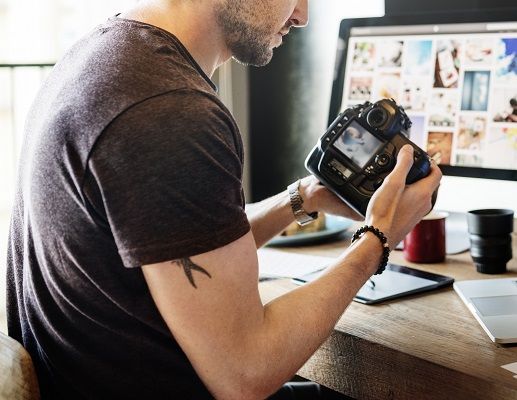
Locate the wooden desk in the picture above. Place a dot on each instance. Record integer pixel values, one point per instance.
(426, 346)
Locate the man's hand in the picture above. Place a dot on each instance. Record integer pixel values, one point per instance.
(318, 198)
(396, 208)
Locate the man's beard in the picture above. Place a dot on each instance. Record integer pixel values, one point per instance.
(251, 51)
(249, 45)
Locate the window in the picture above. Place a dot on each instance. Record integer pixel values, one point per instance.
(33, 35)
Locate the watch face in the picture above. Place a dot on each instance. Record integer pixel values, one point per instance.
(303, 218)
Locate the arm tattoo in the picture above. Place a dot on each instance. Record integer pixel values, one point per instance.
(188, 266)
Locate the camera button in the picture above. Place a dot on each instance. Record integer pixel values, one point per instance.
(382, 160)
(370, 171)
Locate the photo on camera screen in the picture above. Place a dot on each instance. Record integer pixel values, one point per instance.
(357, 144)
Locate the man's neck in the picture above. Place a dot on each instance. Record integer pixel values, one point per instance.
(192, 22)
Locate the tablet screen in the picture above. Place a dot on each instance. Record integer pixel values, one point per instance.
(396, 281)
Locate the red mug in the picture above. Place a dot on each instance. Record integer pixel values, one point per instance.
(426, 241)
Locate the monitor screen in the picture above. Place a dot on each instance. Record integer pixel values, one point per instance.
(455, 74)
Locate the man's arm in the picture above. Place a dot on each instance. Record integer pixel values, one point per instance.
(242, 349)
(270, 217)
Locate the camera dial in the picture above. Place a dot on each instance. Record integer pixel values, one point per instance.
(383, 160)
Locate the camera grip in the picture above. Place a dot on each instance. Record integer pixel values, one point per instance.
(420, 168)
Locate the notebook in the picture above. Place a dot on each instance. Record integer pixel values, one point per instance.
(493, 302)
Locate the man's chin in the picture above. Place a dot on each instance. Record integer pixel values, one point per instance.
(255, 62)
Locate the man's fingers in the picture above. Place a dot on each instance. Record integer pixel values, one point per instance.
(436, 174)
(399, 174)
(404, 160)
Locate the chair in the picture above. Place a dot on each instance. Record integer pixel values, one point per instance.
(17, 376)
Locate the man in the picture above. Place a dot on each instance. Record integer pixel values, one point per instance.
(132, 264)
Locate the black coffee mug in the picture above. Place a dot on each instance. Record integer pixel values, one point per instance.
(490, 239)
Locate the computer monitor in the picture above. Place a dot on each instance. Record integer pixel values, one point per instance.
(454, 73)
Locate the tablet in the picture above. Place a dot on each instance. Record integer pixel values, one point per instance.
(395, 282)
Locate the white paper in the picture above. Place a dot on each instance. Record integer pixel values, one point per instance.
(511, 367)
(283, 264)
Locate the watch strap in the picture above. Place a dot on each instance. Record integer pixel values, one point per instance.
(301, 216)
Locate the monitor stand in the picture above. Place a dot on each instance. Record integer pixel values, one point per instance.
(456, 233)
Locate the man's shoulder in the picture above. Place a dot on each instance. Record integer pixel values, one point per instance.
(138, 54)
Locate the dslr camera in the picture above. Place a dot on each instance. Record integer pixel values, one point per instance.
(360, 149)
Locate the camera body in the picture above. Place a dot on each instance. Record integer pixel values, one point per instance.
(359, 149)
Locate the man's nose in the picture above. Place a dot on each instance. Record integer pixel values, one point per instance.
(300, 16)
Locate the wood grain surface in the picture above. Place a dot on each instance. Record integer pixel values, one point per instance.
(425, 346)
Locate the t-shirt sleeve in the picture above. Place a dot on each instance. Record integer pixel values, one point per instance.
(166, 177)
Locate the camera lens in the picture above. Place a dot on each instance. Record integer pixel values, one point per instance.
(490, 239)
(377, 117)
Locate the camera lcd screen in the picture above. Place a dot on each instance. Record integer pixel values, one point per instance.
(357, 144)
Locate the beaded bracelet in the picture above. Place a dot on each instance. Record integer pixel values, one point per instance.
(386, 248)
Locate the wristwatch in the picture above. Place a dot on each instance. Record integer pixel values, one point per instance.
(301, 216)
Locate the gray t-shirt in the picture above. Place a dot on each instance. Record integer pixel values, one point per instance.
(129, 158)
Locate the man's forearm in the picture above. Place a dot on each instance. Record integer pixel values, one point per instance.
(269, 217)
(297, 323)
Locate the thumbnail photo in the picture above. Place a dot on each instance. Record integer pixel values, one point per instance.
(442, 108)
(447, 65)
(388, 86)
(479, 52)
(364, 56)
(471, 132)
(389, 54)
(360, 88)
(474, 96)
(502, 148)
(439, 147)
(469, 160)
(504, 104)
(506, 61)
(414, 94)
(418, 60)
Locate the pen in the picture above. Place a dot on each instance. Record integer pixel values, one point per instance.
(371, 283)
